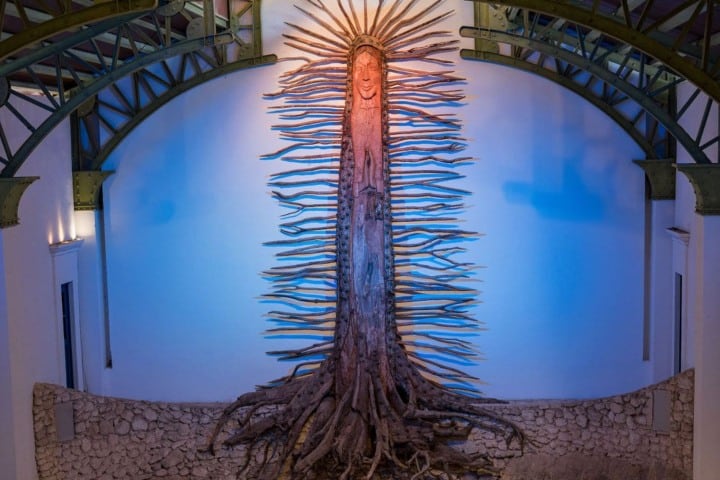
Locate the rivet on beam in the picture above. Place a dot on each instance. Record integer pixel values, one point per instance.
(705, 180)
(11, 190)
(86, 188)
(661, 176)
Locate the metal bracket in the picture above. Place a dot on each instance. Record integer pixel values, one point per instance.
(661, 176)
(489, 17)
(11, 190)
(705, 180)
(86, 189)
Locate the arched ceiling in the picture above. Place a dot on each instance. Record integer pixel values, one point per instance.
(624, 56)
(141, 55)
(684, 35)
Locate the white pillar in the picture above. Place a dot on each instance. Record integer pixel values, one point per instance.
(96, 348)
(661, 287)
(706, 313)
(7, 427)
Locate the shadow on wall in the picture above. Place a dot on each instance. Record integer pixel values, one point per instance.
(573, 199)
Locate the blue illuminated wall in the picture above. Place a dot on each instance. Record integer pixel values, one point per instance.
(562, 209)
(555, 193)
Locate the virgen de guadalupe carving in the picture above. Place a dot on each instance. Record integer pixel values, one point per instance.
(370, 263)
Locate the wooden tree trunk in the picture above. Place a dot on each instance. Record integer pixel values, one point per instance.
(365, 287)
(364, 326)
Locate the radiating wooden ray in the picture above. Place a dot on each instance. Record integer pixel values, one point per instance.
(411, 94)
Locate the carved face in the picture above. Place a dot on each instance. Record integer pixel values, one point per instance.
(367, 75)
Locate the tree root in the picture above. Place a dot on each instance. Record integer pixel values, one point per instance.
(374, 429)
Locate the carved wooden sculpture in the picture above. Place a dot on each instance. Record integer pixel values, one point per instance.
(365, 400)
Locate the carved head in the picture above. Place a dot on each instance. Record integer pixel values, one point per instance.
(367, 73)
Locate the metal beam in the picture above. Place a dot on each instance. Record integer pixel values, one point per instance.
(62, 110)
(636, 94)
(64, 44)
(592, 42)
(139, 22)
(220, 21)
(151, 71)
(564, 81)
(105, 126)
(71, 21)
(138, 116)
(618, 29)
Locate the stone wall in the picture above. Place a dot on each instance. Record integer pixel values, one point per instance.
(642, 435)
(124, 439)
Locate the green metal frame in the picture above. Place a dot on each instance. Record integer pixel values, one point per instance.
(705, 180)
(702, 72)
(61, 107)
(661, 177)
(616, 89)
(628, 123)
(87, 187)
(11, 190)
(642, 79)
(94, 147)
(155, 74)
(117, 111)
(614, 60)
(68, 21)
(150, 70)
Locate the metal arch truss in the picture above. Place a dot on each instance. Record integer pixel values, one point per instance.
(121, 70)
(108, 118)
(631, 82)
(634, 108)
(46, 20)
(665, 36)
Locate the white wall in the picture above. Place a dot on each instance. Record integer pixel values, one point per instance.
(91, 300)
(32, 323)
(561, 205)
(555, 192)
(186, 213)
(664, 248)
